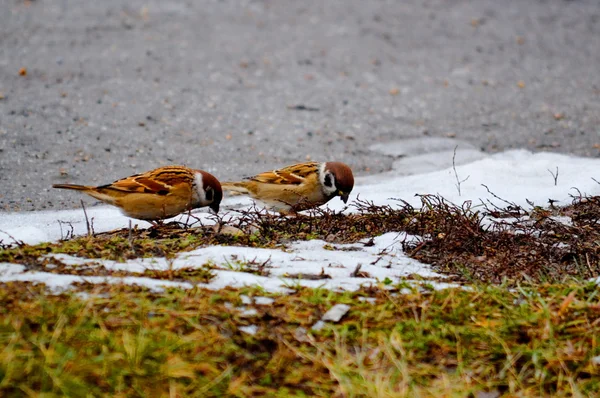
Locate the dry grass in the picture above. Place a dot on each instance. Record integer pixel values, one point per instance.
(495, 245)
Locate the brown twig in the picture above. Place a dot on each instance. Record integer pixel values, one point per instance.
(87, 221)
(554, 175)
(458, 181)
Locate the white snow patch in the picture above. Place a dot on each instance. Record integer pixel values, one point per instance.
(562, 220)
(263, 300)
(248, 312)
(44, 226)
(258, 300)
(26, 234)
(384, 259)
(8, 269)
(136, 265)
(514, 176)
(334, 315)
(371, 300)
(61, 282)
(250, 329)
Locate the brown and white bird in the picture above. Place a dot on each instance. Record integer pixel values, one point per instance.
(158, 194)
(299, 187)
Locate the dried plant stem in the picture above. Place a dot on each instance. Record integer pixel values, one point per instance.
(458, 180)
(87, 221)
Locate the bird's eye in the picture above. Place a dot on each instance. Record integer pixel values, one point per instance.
(328, 180)
(209, 194)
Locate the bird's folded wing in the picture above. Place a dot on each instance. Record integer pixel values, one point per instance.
(291, 175)
(159, 182)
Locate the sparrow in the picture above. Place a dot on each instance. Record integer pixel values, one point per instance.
(298, 187)
(158, 194)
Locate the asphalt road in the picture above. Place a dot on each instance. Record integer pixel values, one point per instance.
(92, 91)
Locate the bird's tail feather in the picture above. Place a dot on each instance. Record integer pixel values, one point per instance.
(235, 188)
(72, 186)
(94, 192)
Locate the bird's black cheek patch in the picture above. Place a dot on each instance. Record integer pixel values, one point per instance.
(328, 182)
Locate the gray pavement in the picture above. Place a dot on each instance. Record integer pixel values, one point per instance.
(237, 87)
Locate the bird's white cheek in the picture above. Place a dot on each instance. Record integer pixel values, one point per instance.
(329, 191)
(199, 194)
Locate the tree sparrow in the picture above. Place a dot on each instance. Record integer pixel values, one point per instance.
(158, 194)
(299, 187)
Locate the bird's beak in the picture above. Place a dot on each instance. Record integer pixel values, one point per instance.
(344, 196)
(215, 207)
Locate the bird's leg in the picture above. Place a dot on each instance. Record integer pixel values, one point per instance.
(155, 223)
(185, 224)
(189, 215)
(289, 213)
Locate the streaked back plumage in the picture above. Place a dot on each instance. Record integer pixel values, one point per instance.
(294, 188)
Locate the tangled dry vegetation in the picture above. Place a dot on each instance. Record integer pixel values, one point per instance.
(472, 243)
(483, 242)
(493, 244)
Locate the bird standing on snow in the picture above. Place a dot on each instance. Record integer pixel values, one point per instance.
(158, 194)
(299, 187)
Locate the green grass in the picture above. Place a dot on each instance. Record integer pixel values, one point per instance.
(128, 341)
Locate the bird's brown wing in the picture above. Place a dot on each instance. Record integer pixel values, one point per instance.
(161, 181)
(291, 175)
